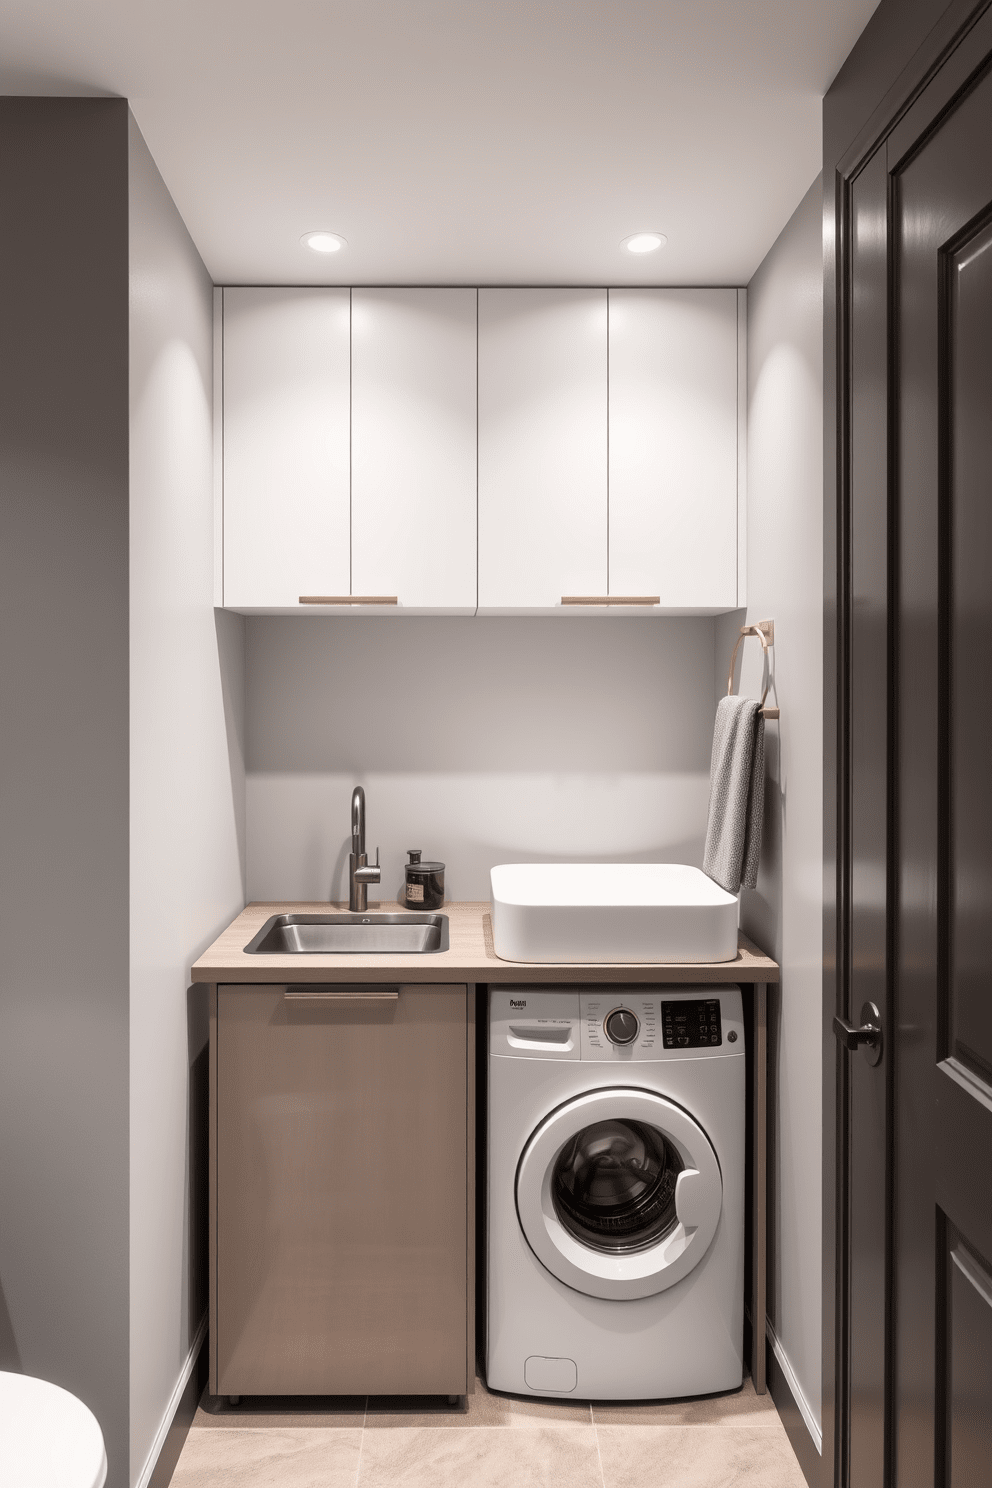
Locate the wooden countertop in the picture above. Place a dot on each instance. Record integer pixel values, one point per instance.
(470, 958)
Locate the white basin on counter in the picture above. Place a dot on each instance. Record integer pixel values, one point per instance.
(610, 912)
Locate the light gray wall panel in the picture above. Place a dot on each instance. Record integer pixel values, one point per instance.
(481, 741)
(187, 788)
(783, 914)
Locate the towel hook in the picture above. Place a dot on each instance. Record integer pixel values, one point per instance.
(765, 632)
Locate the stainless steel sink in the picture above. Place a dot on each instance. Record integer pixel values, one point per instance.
(350, 934)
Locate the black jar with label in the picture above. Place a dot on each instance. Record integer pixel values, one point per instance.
(424, 882)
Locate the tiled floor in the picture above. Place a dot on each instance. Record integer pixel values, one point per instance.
(724, 1442)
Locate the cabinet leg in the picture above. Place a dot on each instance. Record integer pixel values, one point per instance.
(234, 1401)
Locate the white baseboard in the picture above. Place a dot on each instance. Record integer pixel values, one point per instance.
(145, 1476)
(802, 1404)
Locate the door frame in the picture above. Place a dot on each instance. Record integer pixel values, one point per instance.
(901, 51)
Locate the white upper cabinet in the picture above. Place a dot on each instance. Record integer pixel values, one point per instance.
(491, 449)
(675, 386)
(542, 446)
(285, 439)
(413, 457)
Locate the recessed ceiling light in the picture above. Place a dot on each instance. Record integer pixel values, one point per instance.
(644, 242)
(323, 242)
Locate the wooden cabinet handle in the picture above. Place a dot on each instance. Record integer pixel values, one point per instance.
(341, 994)
(611, 599)
(349, 599)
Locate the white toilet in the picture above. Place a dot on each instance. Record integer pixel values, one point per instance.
(50, 1439)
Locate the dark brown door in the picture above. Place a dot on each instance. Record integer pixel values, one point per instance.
(942, 220)
(915, 1252)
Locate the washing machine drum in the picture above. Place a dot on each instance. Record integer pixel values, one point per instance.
(619, 1193)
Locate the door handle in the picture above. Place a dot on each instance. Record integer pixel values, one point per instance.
(867, 1037)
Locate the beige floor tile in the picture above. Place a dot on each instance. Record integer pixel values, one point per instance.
(337, 1413)
(483, 1410)
(430, 1458)
(744, 1408)
(697, 1457)
(286, 1457)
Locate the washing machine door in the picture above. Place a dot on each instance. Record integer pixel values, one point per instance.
(619, 1193)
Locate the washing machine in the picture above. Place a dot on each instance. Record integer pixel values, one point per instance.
(615, 1191)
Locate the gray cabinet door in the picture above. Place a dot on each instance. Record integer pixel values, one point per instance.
(341, 1173)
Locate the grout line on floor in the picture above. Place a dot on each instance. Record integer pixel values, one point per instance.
(361, 1442)
(599, 1455)
(538, 1425)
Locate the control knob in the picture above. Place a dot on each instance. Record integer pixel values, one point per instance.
(621, 1026)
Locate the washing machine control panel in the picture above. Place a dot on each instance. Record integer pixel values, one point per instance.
(615, 1024)
(691, 1024)
(622, 1025)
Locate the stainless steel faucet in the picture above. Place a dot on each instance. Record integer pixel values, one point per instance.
(360, 872)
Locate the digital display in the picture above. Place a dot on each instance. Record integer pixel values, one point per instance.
(691, 1025)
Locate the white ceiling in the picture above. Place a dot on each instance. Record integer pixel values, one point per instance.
(460, 141)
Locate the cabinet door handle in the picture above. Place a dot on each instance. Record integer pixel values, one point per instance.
(611, 599)
(349, 599)
(341, 994)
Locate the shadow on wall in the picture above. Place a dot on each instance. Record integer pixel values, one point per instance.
(196, 1271)
(477, 695)
(230, 631)
(10, 1356)
(765, 903)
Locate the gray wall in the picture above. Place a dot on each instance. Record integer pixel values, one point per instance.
(785, 583)
(187, 791)
(64, 752)
(480, 741)
(121, 767)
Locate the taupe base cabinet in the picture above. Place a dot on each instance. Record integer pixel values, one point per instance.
(342, 1177)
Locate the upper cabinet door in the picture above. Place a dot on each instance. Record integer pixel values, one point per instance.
(286, 414)
(413, 473)
(674, 446)
(542, 446)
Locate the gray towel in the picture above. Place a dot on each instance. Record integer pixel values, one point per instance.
(737, 794)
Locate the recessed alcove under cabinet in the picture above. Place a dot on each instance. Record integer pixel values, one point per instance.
(500, 451)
